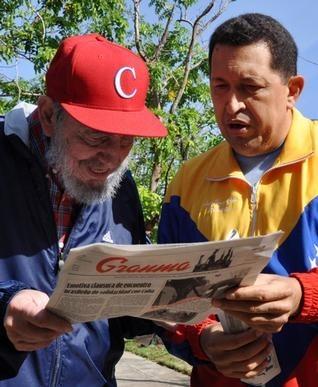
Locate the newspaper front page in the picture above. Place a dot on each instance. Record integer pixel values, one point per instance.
(173, 282)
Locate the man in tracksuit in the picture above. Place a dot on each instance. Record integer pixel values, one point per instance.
(261, 179)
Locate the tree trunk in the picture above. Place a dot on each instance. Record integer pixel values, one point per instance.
(155, 177)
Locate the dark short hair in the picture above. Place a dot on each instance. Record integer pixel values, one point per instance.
(252, 28)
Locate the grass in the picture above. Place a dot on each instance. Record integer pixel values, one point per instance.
(158, 354)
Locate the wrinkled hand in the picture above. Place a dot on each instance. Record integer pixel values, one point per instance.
(236, 355)
(267, 305)
(29, 325)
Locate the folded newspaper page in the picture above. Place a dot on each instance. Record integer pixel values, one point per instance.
(173, 282)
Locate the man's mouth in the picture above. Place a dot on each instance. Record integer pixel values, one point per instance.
(237, 127)
(101, 171)
(98, 172)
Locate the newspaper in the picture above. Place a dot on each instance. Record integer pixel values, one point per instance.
(172, 282)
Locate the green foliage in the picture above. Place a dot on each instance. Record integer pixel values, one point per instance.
(33, 29)
(151, 203)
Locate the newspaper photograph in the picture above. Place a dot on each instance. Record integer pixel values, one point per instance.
(172, 282)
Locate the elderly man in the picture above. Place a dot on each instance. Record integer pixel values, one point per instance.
(259, 180)
(63, 185)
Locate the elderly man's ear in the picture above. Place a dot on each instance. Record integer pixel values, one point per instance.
(295, 87)
(46, 116)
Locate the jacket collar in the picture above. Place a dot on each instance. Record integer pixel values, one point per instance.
(299, 143)
(16, 121)
(298, 146)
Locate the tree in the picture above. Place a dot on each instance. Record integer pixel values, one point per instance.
(171, 44)
(168, 35)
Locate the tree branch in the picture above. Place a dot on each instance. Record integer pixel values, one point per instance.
(186, 21)
(197, 64)
(38, 15)
(29, 94)
(16, 80)
(224, 4)
(166, 178)
(165, 34)
(186, 71)
(197, 29)
(137, 29)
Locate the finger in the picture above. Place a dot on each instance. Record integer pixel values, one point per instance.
(255, 372)
(265, 323)
(245, 353)
(29, 347)
(254, 362)
(29, 325)
(273, 307)
(259, 293)
(31, 333)
(228, 342)
(253, 366)
(48, 320)
(30, 305)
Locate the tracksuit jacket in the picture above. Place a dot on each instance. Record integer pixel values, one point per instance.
(210, 198)
(28, 259)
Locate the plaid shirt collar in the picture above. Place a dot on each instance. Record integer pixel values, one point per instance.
(64, 207)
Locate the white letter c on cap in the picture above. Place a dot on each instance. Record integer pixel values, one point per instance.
(118, 87)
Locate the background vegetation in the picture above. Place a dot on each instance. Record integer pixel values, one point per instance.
(168, 35)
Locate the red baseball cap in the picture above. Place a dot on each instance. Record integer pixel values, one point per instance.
(103, 86)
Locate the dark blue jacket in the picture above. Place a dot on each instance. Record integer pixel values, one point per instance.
(28, 259)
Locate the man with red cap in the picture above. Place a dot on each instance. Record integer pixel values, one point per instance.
(64, 184)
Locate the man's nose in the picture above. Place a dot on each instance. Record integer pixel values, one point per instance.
(107, 155)
(112, 145)
(235, 103)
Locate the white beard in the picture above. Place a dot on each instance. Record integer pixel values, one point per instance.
(58, 159)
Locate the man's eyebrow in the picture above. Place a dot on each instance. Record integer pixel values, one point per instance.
(253, 78)
(217, 79)
(250, 78)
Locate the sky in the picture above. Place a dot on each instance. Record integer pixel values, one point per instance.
(300, 18)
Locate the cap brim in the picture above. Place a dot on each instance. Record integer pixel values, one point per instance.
(136, 123)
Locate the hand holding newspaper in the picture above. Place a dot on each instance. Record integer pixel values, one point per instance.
(233, 325)
(173, 282)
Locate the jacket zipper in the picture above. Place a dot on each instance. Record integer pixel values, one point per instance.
(62, 250)
(253, 201)
(57, 359)
(57, 355)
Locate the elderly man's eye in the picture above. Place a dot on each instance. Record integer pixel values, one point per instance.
(109, 140)
(91, 142)
(95, 141)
